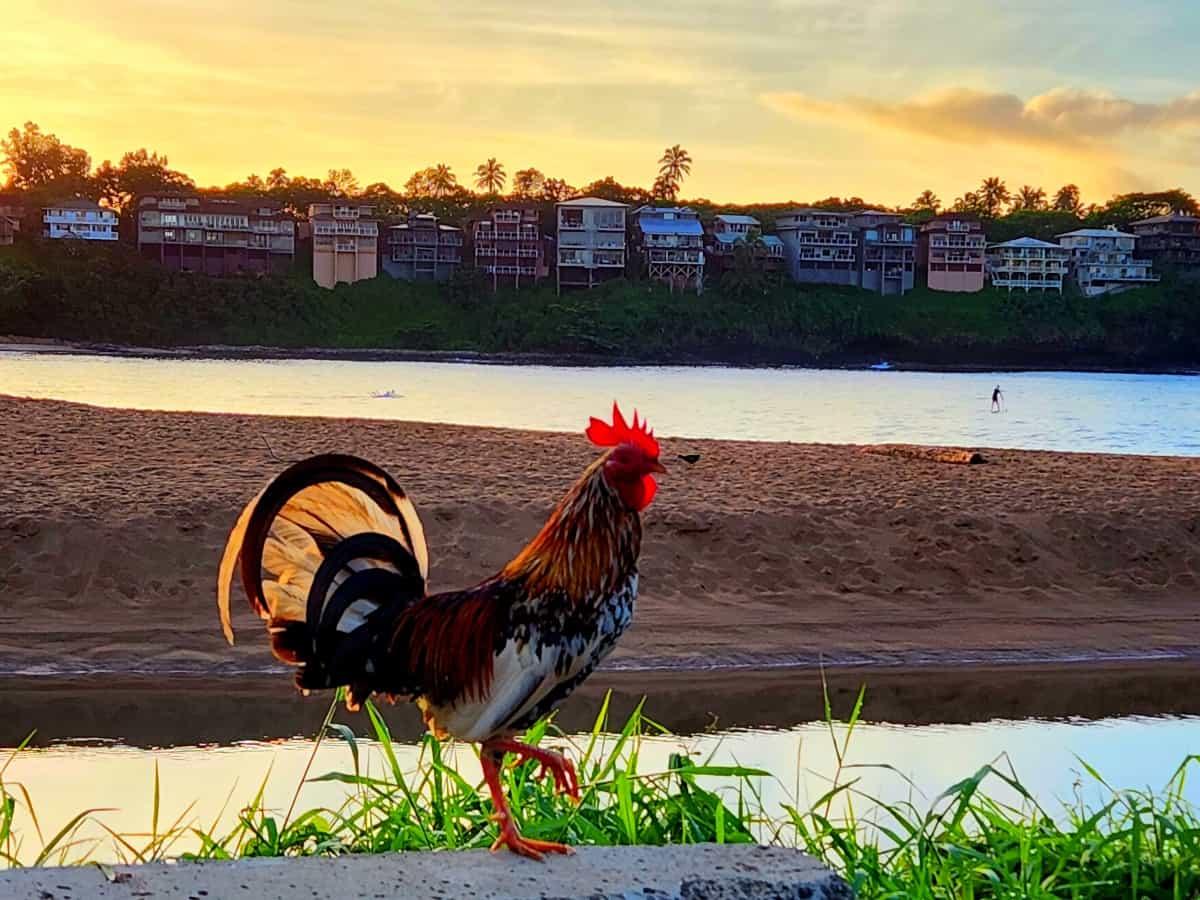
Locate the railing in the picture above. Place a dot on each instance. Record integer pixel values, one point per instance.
(829, 241)
(571, 225)
(690, 257)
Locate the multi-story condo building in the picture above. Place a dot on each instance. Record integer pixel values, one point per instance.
(12, 212)
(215, 235)
(1102, 261)
(345, 242)
(672, 244)
(591, 241)
(821, 245)
(1172, 240)
(508, 246)
(728, 230)
(423, 249)
(867, 248)
(1028, 264)
(79, 219)
(952, 250)
(887, 261)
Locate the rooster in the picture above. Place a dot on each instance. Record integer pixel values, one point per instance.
(333, 557)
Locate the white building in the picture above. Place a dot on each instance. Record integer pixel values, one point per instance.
(80, 219)
(1102, 261)
(1028, 264)
(591, 241)
(672, 241)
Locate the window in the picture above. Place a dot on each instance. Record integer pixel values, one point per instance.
(212, 237)
(170, 235)
(170, 219)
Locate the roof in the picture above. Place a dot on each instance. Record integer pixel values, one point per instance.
(670, 226)
(814, 211)
(1163, 220)
(1096, 232)
(736, 220)
(768, 240)
(592, 201)
(77, 204)
(1028, 242)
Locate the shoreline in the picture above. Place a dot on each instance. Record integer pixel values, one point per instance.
(158, 712)
(763, 557)
(15, 344)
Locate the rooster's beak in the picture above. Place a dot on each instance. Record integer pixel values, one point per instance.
(658, 468)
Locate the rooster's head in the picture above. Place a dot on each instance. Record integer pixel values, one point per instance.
(631, 464)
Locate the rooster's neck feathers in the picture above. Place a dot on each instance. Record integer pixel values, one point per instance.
(587, 546)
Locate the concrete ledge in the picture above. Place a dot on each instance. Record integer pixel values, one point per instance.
(704, 872)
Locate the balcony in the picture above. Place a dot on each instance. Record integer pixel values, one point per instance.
(571, 222)
(608, 259)
(610, 224)
(685, 257)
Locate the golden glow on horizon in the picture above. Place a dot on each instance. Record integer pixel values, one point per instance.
(793, 100)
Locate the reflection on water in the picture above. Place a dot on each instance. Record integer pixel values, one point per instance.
(1155, 414)
(1130, 753)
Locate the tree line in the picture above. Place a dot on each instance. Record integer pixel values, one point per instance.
(45, 169)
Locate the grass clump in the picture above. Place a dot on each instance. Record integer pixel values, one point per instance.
(985, 836)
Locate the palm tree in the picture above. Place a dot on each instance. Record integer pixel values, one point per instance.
(675, 164)
(528, 182)
(745, 276)
(1067, 199)
(490, 177)
(993, 194)
(927, 200)
(442, 181)
(1029, 198)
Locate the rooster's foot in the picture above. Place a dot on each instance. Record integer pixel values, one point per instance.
(512, 839)
(566, 781)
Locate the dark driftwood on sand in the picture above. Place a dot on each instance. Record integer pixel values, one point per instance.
(930, 454)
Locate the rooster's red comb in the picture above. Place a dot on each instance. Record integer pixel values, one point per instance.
(602, 434)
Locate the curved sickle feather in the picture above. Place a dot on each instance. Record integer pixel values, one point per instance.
(314, 493)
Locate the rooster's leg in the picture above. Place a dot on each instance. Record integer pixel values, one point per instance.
(491, 757)
(565, 779)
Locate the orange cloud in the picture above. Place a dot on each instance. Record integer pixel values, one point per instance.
(1061, 119)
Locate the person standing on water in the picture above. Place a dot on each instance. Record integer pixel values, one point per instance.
(997, 396)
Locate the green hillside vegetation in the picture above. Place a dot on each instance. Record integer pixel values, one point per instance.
(74, 291)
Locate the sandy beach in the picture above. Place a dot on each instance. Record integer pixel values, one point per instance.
(111, 524)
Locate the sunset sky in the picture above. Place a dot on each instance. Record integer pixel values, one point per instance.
(782, 100)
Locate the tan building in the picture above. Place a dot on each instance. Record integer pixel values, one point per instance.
(952, 250)
(345, 242)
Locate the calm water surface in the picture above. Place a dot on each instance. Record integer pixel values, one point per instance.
(1156, 414)
(1129, 752)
